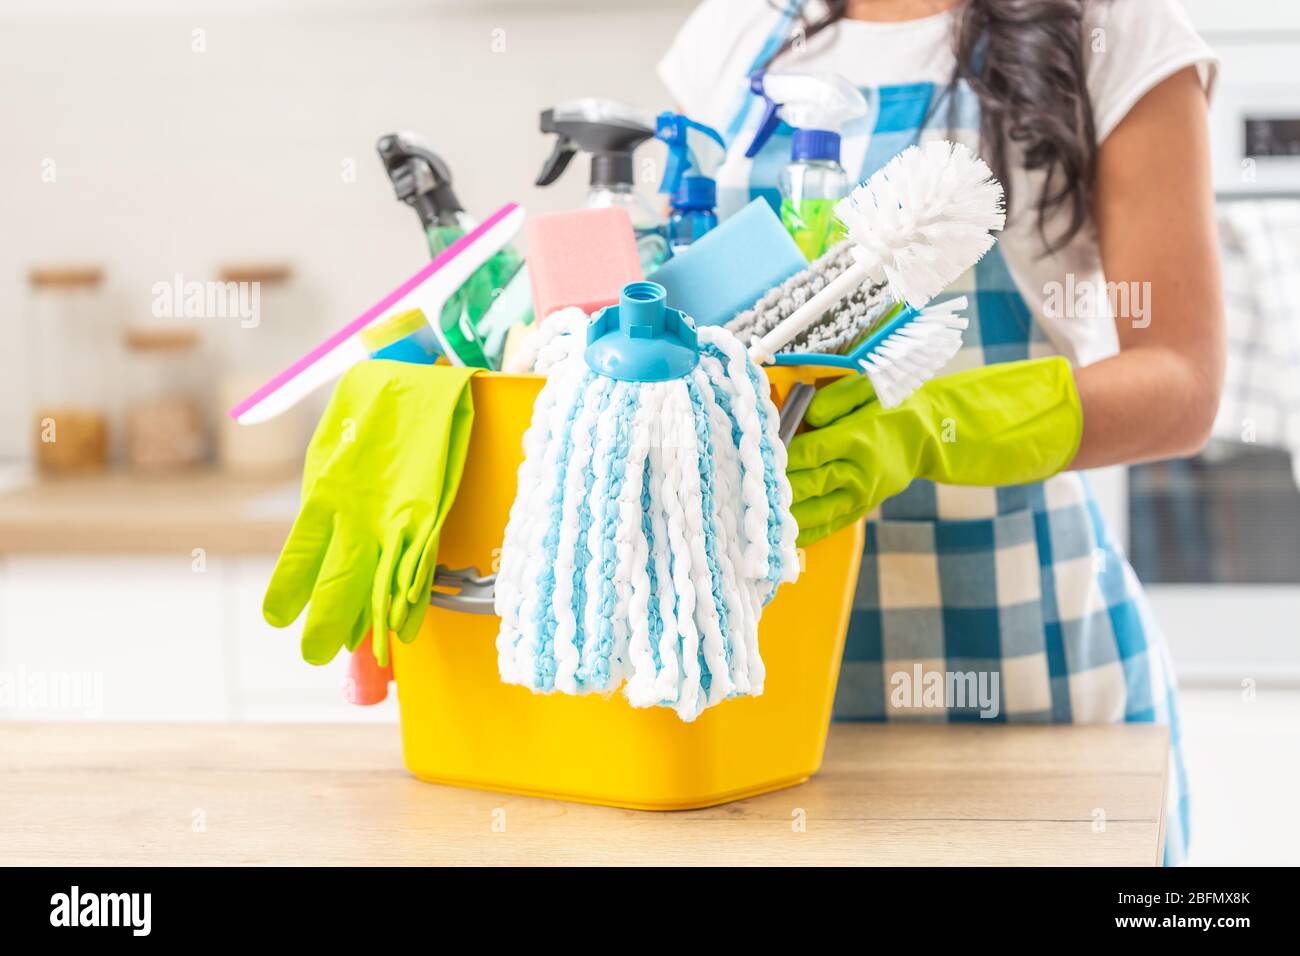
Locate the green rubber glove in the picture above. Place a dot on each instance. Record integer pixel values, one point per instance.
(381, 474)
(1006, 424)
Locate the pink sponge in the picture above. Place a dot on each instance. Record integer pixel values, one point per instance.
(581, 258)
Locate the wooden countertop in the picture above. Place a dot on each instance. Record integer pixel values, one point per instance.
(118, 513)
(102, 794)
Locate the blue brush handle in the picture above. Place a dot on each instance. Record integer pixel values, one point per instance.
(853, 360)
(815, 358)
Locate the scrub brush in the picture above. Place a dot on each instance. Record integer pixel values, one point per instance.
(917, 224)
(903, 354)
(652, 519)
(908, 349)
(843, 324)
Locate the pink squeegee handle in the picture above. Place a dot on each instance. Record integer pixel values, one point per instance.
(380, 307)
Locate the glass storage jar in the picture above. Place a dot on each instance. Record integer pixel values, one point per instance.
(164, 414)
(71, 365)
(275, 326)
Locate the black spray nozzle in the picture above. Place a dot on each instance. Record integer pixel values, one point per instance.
(564, 149)
(420, 177)
(608, 131)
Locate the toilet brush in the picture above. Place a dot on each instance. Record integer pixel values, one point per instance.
(917, 224)
(843, 323)
(914, 227)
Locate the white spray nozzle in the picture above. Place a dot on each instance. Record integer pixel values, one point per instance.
(807, 101)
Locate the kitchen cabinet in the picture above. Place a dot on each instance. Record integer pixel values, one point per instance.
(93, 636)
(273, 681)
(84, 637)
(125, 599)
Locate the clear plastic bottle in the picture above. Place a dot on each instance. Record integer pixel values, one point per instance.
(465, 310)
(816, 105)
(651, 242)
(423, 181)
(810, 188)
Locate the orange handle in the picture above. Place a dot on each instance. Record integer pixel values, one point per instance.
(367, 682)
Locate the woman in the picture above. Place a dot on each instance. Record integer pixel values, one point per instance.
(1096, 338)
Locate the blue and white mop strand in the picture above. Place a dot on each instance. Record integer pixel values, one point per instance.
(652, 522)
(549, 341)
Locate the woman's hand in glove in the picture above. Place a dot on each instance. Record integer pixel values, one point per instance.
(1012, 423)
(847, 464)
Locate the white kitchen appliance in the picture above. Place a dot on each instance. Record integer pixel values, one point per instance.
(1211, 536)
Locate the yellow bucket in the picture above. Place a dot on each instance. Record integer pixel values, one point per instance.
(461, 725)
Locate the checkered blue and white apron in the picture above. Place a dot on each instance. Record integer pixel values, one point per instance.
(1022, 584)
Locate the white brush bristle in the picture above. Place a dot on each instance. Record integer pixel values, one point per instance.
(917, 352)
(926, 216)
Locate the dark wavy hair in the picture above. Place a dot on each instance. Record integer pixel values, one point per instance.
(1024, 60)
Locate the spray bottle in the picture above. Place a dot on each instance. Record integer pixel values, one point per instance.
(422, 180)
(817, 105)
(609, 132)
(695, 152)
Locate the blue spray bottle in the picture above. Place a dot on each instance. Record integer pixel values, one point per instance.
(695, 152)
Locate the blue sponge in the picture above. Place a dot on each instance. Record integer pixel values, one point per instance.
(729, 268)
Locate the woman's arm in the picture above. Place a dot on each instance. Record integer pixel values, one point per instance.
(1155, 216)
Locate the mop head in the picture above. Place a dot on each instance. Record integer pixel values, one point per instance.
(550, 342)
(925, 217)
(651, 526)
(842, 325)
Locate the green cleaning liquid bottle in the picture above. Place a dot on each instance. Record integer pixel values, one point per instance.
(609, 132)
(816, 105)
(422, 180)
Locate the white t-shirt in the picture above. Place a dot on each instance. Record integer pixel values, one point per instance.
(1130, 47)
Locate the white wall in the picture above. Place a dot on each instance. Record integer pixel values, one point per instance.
(1216, 17)
(169, 160)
